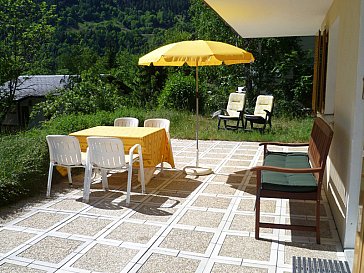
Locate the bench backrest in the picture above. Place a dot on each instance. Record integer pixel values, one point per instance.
(319, 145)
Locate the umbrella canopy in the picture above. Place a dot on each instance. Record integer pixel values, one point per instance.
(196, 53)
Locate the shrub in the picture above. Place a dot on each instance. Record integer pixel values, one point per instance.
(23, 165)
(178, 93)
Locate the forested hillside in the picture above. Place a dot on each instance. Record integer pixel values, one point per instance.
(103, 28)
(90, 38)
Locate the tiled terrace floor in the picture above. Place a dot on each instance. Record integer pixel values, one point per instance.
(183, 223)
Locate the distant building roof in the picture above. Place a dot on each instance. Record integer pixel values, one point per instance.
(39, 85)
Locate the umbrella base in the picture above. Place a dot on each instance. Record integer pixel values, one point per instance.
(197, 171)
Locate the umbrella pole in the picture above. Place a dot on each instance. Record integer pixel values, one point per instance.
(197, 120)
(197, 170)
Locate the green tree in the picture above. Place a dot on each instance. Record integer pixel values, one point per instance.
(87, 94)
(281, 68)
(26, 27)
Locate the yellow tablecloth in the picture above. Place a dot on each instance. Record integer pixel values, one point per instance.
(154, 141)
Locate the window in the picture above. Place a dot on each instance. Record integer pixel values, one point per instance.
(319, 75)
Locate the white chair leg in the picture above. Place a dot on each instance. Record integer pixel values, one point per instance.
(142, 179)
(87, 184)
(50, 174)
(69, 173)
(105, 184)
(128, 186)
(141, 168)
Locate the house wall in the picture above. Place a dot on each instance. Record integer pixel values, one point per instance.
(344, 100)
(15, 118)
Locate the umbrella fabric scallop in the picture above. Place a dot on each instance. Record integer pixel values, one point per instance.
(197, 53)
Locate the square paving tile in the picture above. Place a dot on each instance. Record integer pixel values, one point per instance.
(105, 258)
(240, 156)
(210, 161)
(222, 150)
(175, 196)
(230, 169)
(153, 213)
(212, 202)
(201, 218)
(10, 239)
(86, 226)
(214, 155)
(188, 185)
(9, 268)
(247, 223)
(51, 249)
(238, 163)
(226, 189)
(107, 208)
(187, 240)
(266, 205)
(252, 181)
(250, 191)
(230, 268)
(160, 263)
(325, 230)
(168, 200)
(304, 208)
(69, 204)
(246, 248)
(133, 232)
(321, 251)
(228, 179)
(42, 220)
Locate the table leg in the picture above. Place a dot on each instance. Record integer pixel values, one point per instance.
(148, 174)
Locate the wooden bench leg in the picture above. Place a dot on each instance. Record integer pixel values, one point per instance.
(318, 220)
(257, 216)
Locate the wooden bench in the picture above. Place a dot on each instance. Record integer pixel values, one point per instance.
(294, 175)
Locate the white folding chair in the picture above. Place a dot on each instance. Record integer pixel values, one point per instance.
(107, 153)
(126, 122)
(234, 111)
(263, 112)
(64, 151)
(159, 123)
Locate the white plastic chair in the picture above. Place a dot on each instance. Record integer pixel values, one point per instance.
(159, 123)
(234, 111)
(64, 151)
(126, 122)
(263, 112)
(107, 153)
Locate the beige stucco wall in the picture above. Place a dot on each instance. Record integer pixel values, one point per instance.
(344, 164)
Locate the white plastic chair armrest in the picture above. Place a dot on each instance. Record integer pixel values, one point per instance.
(131, 152)
(141, 165)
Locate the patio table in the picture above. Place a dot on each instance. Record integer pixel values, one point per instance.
(154, 141)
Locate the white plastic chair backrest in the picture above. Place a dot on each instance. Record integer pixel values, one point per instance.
(126, 122)
(236, 103)
(264, 102)
(158, 122)
(106, 152)
(64, 150)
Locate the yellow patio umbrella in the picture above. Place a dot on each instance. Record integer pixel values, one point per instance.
(196, 53)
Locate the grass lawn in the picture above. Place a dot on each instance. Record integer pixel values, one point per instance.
(283, 129)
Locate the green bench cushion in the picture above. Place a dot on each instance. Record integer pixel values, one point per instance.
(288, 182)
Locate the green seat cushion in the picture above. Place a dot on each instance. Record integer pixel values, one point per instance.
(288, 182)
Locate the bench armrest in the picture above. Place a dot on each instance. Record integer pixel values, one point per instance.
(266, 144)
(286, 170)
(283, 144)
